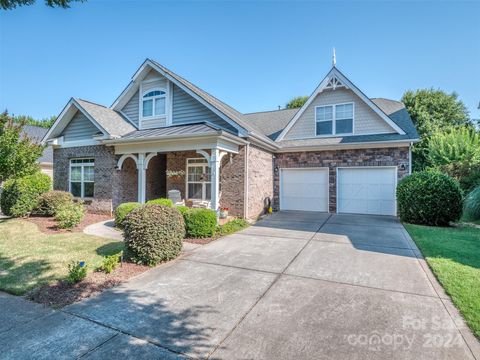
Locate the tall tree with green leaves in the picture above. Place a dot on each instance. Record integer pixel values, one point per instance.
(12, 4)
(28, 120)
(296, 102)
(18, 153)
(432, 110)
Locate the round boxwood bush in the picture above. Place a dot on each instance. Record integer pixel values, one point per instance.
(122, 210)
(472, 205)
(50, 202)
(161, 201)
(200, 223)
(20, 196)
(153, 233)
(429, 198)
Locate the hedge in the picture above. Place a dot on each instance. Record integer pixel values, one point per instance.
(50, 202)
(122, 210)
(200, 223)
(161, 201)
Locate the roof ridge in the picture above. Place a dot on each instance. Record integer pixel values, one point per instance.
(93, 103)
(382, 98)
(268, 111)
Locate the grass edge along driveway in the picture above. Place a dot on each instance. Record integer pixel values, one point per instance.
(30, 258)
(453, 254)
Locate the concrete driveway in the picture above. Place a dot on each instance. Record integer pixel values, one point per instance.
(297, 285)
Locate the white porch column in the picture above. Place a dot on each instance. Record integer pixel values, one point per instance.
(141, 178)
(215, 181)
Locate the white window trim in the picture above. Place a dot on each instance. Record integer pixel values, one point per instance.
(334, 119)
(82, 181)
(205, 164)
(168, 100)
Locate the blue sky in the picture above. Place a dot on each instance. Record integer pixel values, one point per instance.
(252, 55)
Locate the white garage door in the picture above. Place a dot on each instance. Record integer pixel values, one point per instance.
(304, 189)
(367, 190)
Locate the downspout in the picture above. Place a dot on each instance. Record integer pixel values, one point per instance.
(245, 183)
(410, 159)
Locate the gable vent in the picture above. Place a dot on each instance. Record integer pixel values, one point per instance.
(334, 83)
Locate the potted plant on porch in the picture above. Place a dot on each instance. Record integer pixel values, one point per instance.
(223, 213)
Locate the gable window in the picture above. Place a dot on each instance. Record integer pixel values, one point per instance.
(153, 103)
(334, 119)
(82, 177)
(198, 179)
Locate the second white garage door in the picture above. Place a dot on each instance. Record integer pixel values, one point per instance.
(304, 189)
(367, 190)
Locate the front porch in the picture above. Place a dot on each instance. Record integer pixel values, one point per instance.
(204, 176)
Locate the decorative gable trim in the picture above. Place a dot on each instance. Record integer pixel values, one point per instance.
(66, 116)
(150, 64)
(333, 80)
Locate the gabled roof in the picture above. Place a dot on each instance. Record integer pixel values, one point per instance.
(225, 111)
(335, 79)
(271, 123)
(108, 121)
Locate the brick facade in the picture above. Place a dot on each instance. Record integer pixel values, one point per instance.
(260, 181)
(105, 173)
(232, 183)
(339, 158)
(156, 180)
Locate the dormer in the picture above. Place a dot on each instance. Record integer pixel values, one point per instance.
(154, 105)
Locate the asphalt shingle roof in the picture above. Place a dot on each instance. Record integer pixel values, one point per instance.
(109, 119)
(36, 133)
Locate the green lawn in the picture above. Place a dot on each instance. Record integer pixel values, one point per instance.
(29, 258)
(454, 257)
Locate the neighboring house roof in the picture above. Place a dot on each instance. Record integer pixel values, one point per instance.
(113, 122)
(171, 131)
(36, 133)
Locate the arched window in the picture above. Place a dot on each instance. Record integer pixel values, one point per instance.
(153, 103)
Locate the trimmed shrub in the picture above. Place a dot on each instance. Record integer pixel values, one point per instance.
(153, 233)
(70, 215)
(232, 226)
(20, 196)
(472, 205)
(50, 202)
(110, 263)
(200, 223)
(183, 209)
(77, 271)
(161, 201)
(123, 210)
(429, 198)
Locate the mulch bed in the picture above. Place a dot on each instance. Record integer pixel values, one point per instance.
(48, 225)
(200, 241)
(62, 293)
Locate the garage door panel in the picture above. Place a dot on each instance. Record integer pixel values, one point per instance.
(304, 189)
(367, 191)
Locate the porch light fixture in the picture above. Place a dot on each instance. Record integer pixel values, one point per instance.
(276, 170)
(402, 167)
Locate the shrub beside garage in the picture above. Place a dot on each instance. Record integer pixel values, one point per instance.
(429, 198)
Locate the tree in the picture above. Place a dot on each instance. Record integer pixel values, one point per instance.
(432, 110)
(18, 153)
(12, 4)
(456, 151)
(297, 102)
(28, 120)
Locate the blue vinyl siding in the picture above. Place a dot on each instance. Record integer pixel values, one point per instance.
(131, 109)
(186, 109)
(79, 128)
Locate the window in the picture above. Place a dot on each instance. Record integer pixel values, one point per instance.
(334, 119)
(198, 179)
(153, 103)
(82, 177)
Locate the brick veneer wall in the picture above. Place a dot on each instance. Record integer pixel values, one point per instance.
(232, 179)
(105, 162)
(126, 183)
(260, 180)
(339, 158)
